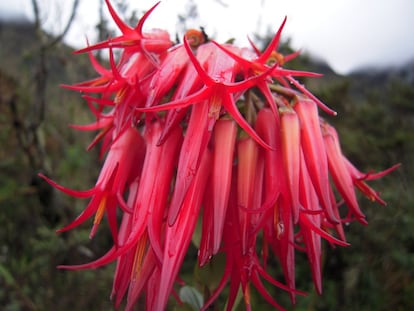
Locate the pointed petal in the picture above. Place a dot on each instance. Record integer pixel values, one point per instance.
(264, 293)
(192, 150)
(305, 221)
(118, 21)
(202, 74)
(178, 235)
(339, 172)
(315, 153)
(225, 132)
(268, 127)
(73, 193)
(85, 215)
(161, 189)
(247, 150)
(273, 44)
(290, 131)
(230, 106)
(194, 98)
(301, 88)
(141, 22)
(166, 75)
(110, 256)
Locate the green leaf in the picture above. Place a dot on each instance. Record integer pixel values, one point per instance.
(191, 296)
(8, 277)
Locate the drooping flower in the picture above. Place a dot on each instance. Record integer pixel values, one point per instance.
(120, 168)
(213, 135)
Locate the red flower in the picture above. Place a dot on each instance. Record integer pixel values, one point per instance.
(118, 171)
(133, 39)
(215, 134)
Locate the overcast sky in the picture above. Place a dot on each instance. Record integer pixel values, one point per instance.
(348, 34)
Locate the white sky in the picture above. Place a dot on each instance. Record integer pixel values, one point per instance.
(346, 33)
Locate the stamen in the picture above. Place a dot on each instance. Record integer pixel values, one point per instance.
(98, 216)
(120, 95)
(276, 58)
(195, 37)
(139, 256)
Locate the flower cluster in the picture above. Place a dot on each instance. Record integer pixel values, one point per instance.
(213, 133)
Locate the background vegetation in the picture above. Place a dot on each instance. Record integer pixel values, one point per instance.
(375, 121)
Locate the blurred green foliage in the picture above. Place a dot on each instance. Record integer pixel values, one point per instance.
(375, 122)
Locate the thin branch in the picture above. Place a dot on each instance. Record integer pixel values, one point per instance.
(36, 12)
(59, 37)
(29, 136)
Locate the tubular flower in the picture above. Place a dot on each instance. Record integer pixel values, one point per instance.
(212, 137)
